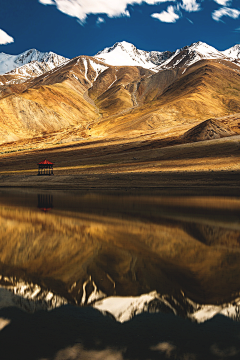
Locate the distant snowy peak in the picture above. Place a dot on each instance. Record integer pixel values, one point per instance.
(189, 55)
(203, 50)
(233, 52)
(9, 63)
(126, 54)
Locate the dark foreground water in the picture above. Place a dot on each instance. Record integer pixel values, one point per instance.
(119, 276)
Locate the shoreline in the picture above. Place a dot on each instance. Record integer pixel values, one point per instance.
(213, 181)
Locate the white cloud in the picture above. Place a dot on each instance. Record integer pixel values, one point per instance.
(190, 5)
(164, 347)
(81, 8)
(77, 352)
(223, 2)
(171, 15)
(225, 11)
(100, 20)
(47, 2)
(5, 38)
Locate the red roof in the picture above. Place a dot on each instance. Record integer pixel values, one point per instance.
(45, 209)
(45, 162)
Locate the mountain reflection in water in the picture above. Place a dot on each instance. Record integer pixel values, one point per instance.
(124, 255)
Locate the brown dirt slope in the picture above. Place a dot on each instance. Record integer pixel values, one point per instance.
(115, 90)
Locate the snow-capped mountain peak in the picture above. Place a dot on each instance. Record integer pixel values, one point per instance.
(204, 50)
(126, 54)
(188, 55)
(10, 62)
(123, 45)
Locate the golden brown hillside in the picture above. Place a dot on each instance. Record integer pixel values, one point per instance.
(207, 89)
(116, 89)
(54, 101)
(86, 98)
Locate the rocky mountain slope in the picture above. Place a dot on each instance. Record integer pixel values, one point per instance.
(207, 130)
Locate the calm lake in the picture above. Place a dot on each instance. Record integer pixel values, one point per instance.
(89, 275)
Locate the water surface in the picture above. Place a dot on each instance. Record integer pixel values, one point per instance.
(119, 276)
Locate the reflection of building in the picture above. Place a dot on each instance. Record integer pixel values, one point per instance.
(45, 168)
(45, 202)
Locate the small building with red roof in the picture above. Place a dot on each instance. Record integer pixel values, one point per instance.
(45, 167)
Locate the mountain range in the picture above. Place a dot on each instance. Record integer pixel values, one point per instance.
(123, 54)
(121, 91)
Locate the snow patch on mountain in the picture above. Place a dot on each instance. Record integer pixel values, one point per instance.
(207, 312)
(94, 295)
(125, 308)
(33, 69)
(98, 68)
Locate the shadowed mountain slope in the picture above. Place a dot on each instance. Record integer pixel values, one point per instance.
(208, 130)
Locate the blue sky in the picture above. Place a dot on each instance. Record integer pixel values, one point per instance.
(76, 27)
